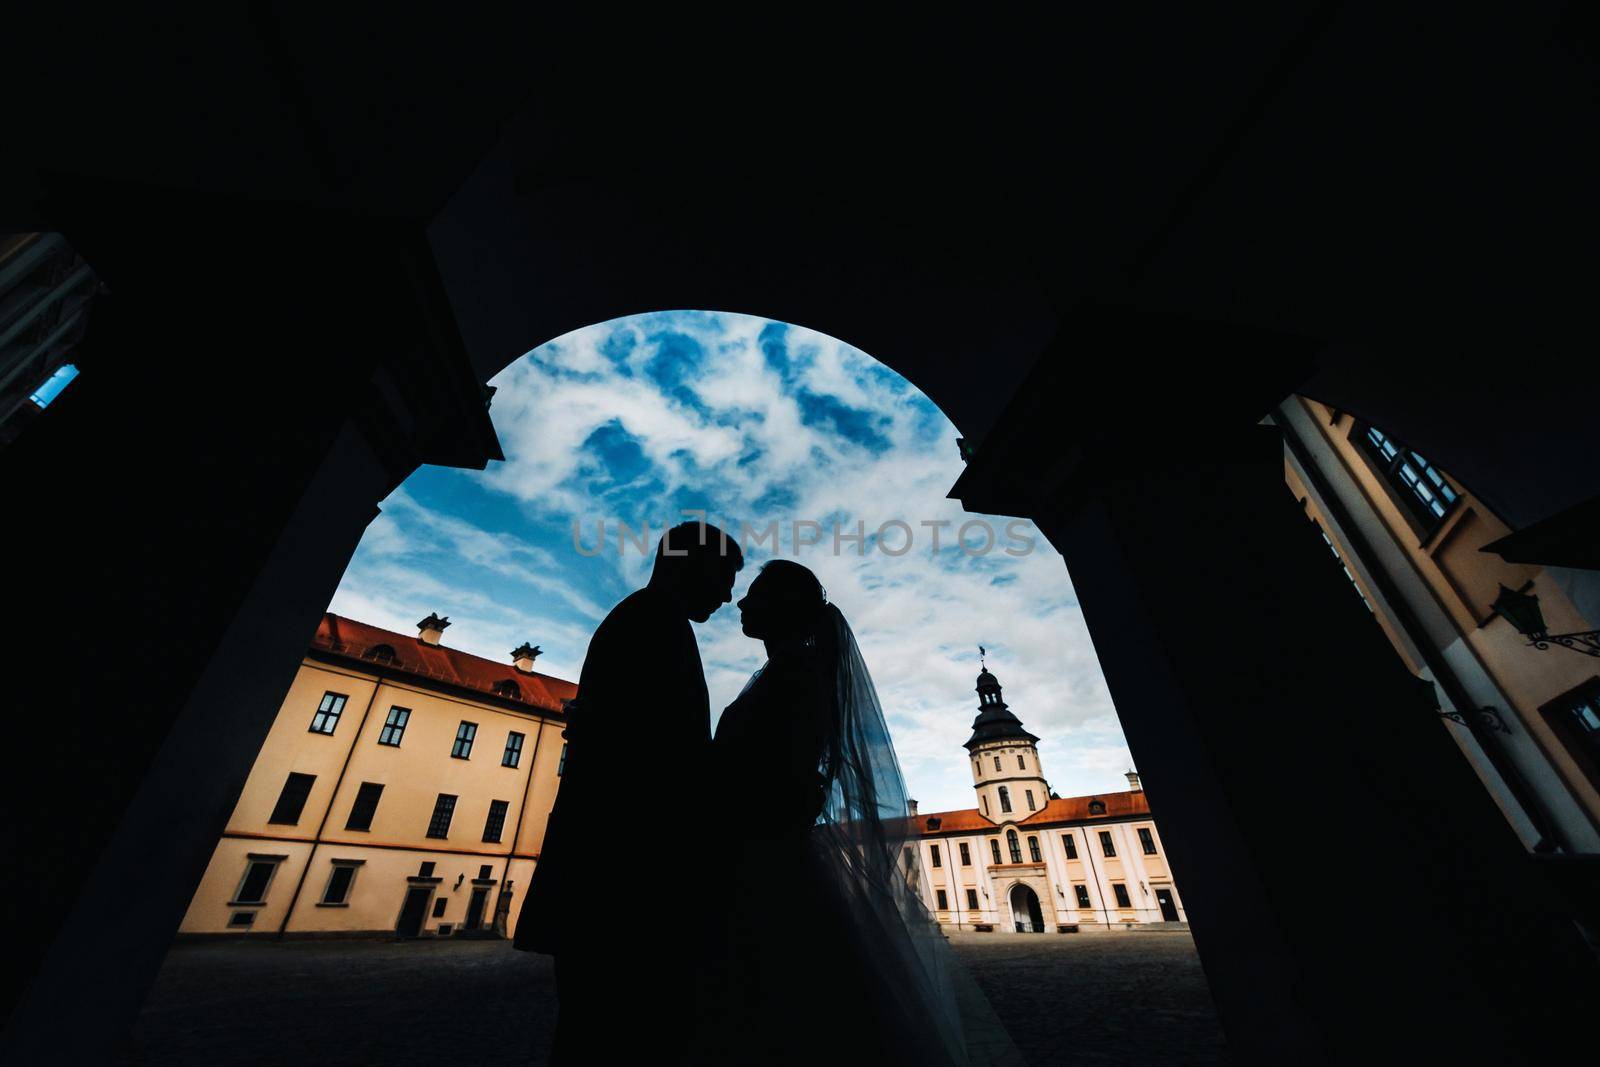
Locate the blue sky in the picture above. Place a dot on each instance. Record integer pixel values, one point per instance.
(638, 419)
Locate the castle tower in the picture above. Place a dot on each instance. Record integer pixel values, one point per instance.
(1005, 758)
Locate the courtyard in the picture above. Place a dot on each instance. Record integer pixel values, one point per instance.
(1085, 998)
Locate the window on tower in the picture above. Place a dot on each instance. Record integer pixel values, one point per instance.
(1022, 762)
(985, 801)
(997, 763)
(1005, 799)
(1031, 805)
(1014, 847)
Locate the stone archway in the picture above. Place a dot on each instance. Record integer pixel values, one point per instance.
(962, 278)
(1026, 915)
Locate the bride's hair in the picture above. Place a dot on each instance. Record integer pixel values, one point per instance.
(801, 594)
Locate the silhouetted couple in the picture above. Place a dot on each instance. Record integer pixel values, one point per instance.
(747, 899)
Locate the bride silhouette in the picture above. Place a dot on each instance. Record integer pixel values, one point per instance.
(823, 934)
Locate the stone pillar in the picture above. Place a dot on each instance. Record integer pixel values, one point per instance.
(1279, 735)
(253, 383)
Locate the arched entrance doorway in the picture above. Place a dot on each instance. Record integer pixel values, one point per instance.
(1025, 913)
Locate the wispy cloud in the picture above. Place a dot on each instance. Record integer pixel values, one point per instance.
(754, 422)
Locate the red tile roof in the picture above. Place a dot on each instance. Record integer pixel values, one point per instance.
(360, 641)
(1068, 810)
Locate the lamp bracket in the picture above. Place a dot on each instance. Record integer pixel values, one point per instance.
(1585, 641)
(1487, 717)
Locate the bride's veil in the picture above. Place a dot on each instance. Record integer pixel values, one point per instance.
(867, 838)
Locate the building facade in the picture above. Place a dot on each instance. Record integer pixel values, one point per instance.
(403, 789)
(1027, 861)
(1431, 561)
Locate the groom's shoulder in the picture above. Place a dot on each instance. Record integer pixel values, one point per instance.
(641, 610)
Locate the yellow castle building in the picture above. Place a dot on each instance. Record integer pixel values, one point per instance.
(403, 789)
(1027, 861)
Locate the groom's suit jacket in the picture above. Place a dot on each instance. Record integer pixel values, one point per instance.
(638, 742)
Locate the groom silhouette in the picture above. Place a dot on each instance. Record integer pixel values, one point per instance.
(637, 743)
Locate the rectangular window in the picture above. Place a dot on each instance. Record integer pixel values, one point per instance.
(513, 753)
(1031, 805)
(439, 904)
(972, 900)
(394, 727)
(1083, 896)
(253, 887)
(1033, 849)
(966, 855)
(426, 870)
(496, 823)
(997, 763)
(985, 801)
(1415, 484)
(242, 918)
(365, 806)
(292, 801)
(444, 810)
(937, 862)
(1147, 841)
(1575, 718)
(1022, 763)
(1122, 895)
(944, 900)
(994, 848)
(1071, 844)
(328, 712)
(462, 749)
(561, 764)
(338, 891)
(1105, 843)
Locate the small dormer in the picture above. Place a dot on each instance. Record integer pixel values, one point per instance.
(431, 630)
(506, 687)
(523, 655)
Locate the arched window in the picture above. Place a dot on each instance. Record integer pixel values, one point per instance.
(1005, 799)
(507, 688)
(1016, 849)
(1033, 849)
(382, 653)
(1096, 807)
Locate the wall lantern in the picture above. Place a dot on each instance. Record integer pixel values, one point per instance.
(1521, 610)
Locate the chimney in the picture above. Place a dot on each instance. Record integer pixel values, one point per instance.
(912, 804)
(431, 629)
(1133, 782)
(523, 655)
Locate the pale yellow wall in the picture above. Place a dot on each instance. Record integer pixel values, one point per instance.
(1463, 581)
(413, 775)
(1054, 878)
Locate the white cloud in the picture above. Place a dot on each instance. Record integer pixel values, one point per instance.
(736, 432)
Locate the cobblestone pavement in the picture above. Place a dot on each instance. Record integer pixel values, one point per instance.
(1123, 997)
(1086, 998)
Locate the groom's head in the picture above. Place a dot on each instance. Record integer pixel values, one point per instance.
(696, 563)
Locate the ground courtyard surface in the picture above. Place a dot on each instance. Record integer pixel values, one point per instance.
(1131, 997)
